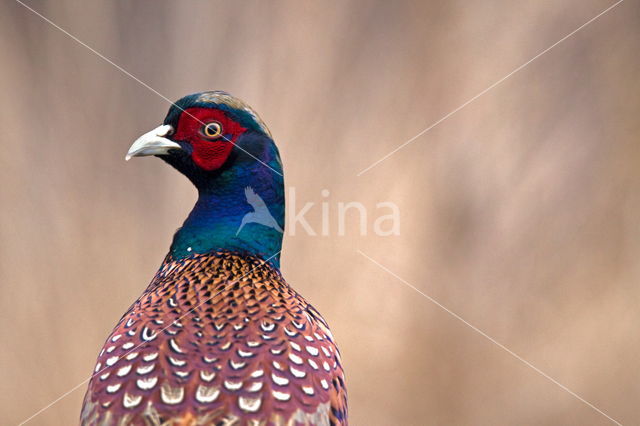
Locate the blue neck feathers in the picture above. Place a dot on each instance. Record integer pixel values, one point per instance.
(240, 207)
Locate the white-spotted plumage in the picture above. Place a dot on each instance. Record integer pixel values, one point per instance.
(145, 369)
(147, 383)
(295, 358)
(207, 376)
(176, 362)
(148, 335)
(237, 365)
(280, 381)
(114, 388)
(131, 401)
(207, 394)
(232, 385)
(123, 371)
(297, 373)
(171, 395)
(174, 345)
(245, 354)
(249, 404)
(290, 333)
(131, 356)
(266, 326)
(281, 396)
(200, 362)
(295, 346)
(150, 357)
(255, 387)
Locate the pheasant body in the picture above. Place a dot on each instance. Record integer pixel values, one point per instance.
(218, 337)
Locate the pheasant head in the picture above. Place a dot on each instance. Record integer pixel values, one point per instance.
(223, 147)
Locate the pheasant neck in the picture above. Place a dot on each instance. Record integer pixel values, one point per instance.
(240, 209)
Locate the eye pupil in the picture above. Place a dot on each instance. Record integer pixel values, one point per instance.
(212, 130)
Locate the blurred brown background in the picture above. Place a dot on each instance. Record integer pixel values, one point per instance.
(521, 212)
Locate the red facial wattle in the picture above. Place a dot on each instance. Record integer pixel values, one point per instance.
(207, 154)
(210, 155)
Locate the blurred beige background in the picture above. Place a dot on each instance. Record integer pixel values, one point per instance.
(521, 212)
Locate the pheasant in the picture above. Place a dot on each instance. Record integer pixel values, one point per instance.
(219, 337)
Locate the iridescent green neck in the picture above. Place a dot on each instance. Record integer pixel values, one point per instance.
(240, 209)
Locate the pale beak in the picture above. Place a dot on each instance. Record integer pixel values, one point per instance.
(153, 143)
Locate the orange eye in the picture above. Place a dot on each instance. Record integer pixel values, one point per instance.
(212, 130)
